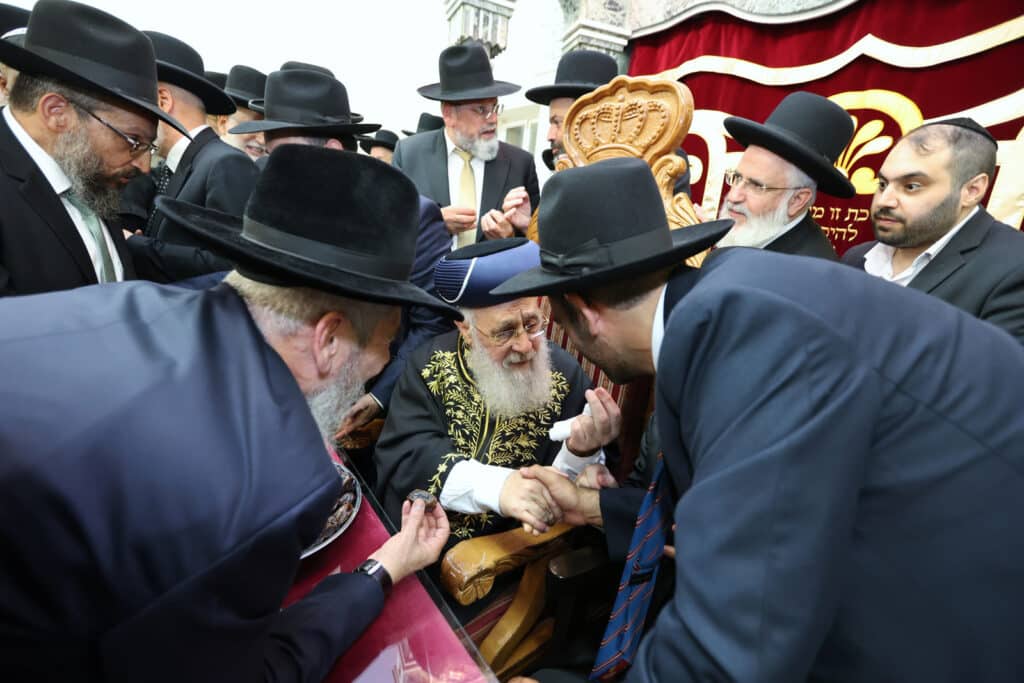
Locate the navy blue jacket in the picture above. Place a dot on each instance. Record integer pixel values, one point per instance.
(160, 474)
(848, 466)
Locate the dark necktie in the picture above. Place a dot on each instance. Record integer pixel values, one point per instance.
(636, 589)
(161, 178)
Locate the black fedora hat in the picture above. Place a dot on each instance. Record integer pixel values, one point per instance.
(426, 123)
(88, 48)
(245, 83)
(292, 65)
(465, 72)
(606, 222)
(307, 100)
(12, 17)
(218, 78)
(579, 72)
(179, 64)
(382, 138)
(807, 130)
(337, 222)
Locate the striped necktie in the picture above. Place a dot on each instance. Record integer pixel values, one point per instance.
(467, 196)
(95, 228)
(161, 178)
(636, 589)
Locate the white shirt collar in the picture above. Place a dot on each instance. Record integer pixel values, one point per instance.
(878, 259)
(658, 328)
(178, 150)
(47, 166)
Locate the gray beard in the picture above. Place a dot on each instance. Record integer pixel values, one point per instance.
(485, 150)
(757, 231)
(507, 392)
(330, 403)
(84, 168)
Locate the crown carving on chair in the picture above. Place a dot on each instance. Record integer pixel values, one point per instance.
(634, 116)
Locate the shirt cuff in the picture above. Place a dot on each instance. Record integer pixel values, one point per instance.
(473, 487)
(376, 400)
(572, 465)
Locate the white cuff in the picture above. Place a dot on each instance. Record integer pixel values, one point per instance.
(572, 465)
(473, 487)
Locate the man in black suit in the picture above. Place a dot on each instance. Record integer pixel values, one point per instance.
(204, 170)
(81, 123)
(932, 233)
(787, 160)
(464, 167)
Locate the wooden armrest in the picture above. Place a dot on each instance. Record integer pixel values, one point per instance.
(468, 570)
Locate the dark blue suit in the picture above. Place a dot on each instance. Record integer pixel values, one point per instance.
(848, 460)
(160, 473)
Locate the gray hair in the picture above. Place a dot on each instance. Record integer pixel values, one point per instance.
(971, 152)
(285, 311)
(795, 177)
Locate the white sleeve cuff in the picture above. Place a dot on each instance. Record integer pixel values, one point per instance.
(473, 487)
(572, 465)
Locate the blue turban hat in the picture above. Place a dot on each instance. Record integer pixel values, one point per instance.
(465, 277)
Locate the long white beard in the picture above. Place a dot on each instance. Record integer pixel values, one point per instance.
(330, 403)
(757, 231)
(507, 391)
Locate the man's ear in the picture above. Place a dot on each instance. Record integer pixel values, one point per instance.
(334, 143)
(56, 112)
(465, 330)
(589, 315)
(799, 202)
(164, 98)
(974, 190)
(333, 339)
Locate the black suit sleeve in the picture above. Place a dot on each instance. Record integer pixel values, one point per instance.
(230, 182)
(532, 184)
(1004, 305)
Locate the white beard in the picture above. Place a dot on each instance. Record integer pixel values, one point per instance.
(757, 231)
(508, 392)
(485, 150)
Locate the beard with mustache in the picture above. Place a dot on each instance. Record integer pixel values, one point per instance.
(74, 154)
(507, 390)
(485, 150)
(330, 402)
(756, 231)
(918, 232)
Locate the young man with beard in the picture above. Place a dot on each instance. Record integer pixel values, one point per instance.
(464, 167)
(787, 160)
(842, 458)
(80, 124)
(933, 234)
(158, 544)
(476, 404)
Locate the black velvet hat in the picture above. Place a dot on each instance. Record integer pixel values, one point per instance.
(179, 64)
(466, 74)
(382, 138)
(307, 100)
(245, 83)
(12, 17)
(426, 123)
(602, 223)
(807, 130)
(579, 72)
(88, 48)
(339, 222)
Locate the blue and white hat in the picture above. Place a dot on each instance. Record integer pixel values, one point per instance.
(465, 277)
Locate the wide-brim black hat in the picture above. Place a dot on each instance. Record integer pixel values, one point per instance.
(807, 130)
(426, 123)
(466, 74)
(382, 138)
(218, 78)
(88, 48)
(245, 83)
(307, 100)
(602, 223)
(291, 65)
(179, 64)
(12, 17)
(578, 72)
(338, 222)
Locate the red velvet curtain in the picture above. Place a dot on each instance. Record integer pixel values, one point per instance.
(886, 94)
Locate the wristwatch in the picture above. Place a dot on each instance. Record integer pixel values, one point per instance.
(378, 573)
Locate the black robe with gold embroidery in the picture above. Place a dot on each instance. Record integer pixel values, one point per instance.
(437, 418)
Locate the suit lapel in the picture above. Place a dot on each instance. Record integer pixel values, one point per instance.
(205, 137)
(952, 257)
(439, 181)
(495, 176)
(41, 199)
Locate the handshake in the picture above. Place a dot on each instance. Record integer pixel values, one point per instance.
(541, 497)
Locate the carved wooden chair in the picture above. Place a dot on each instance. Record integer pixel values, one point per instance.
(629, 117)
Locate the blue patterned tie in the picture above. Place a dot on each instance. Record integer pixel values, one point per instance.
(636, 589)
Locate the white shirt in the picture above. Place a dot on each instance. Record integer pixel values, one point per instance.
(178, 150)
(878, 259)
(61, 184)
(455, 164)
(658, 328)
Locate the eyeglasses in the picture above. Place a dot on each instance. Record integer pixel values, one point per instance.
(734, 179)
(533, 326)
(136, 147)
(484, 111)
